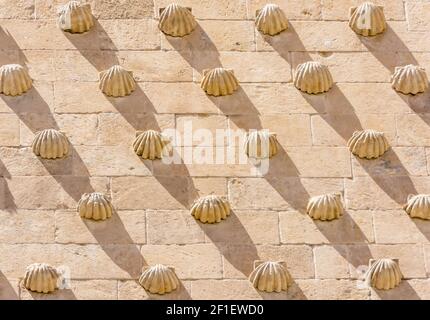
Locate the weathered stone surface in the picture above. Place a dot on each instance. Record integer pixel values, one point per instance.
(79, 290)
(9, 130)
(332, 290)
(397, 227)
(47, 192)
(331, 262)
(413, 129)
(85, 262)
(396, 161)
(277, 192)
(411, 258)
(124, 227)
(291, 130)
(258, 227)
(132, 290)
(36, 226)
(418, 15)
(382, 192)
(334, 10)
(109, 161)
(172, 192)
(213, 35)
(352, 227)
(186, 259)
(102, 9)
(173, 227)
(20, 9)
(207, 9)
(407, 290)
(238, 259)
(192, 129)
(294, 9)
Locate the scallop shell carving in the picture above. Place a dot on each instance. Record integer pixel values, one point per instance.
(210, 209)
(176, 21)
(369, 144)
(14, 80)
(150, 144)
(313, 77)
(41, 277)
(95, 206)
(219, 82)
(418, 206)
(75, 17)
(325, 207)
(261, 144)
(117, 82)
(271, 20)
(410, 79)
(270, 276)
(159, 279)
(367, 20)
(383, 274)
(50, 144)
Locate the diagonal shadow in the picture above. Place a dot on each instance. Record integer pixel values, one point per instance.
(233, 241)
(391, 43)
(7, 292)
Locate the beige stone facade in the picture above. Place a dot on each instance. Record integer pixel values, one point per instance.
(152, 223)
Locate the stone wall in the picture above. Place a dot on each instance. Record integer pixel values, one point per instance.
(38, 219)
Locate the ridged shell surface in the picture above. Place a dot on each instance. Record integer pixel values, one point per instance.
(270, 276)
(159, 279)
(117, 82)
(14, 80)
(177, 21)
(410, 79)
(219, 82)
(383, 274)
(210, 209)
(95, 206)
(313, 77)
(418, 206)
(325, 207)
(261, 144)
(75, 17)
(367, 19)
(41, 277)
(369, 144)
(150, 144)
(271, 20)
(50, 144)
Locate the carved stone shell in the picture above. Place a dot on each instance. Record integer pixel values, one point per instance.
(159, 279)
(210, 209)
(271, 20)
(313, 77)
(367, 20)
(383, 274)
(261, 144)
(75, 17)
(176, 21)
(117, 82)
(219, 82)
(418, 206)
(50, 144)
(41, 277)
(150, 144)
(410, 79)
(95, 206)
(369, 144)
(14, 80)
(270, 276)
(325, 207)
